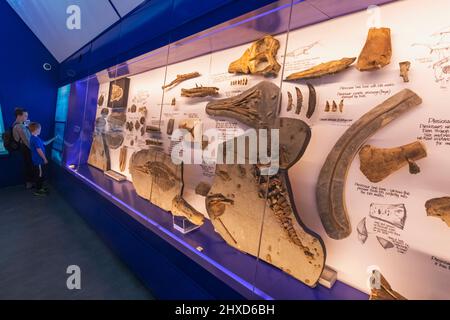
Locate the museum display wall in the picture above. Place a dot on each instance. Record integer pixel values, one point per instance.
(360, 175)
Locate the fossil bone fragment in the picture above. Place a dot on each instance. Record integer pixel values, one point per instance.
(153, 129)
(439, 208)
(181, 208)
(322, 69)
(404, 69)
(394, 214)
(200, 92)
(170, 126)
(116, 93)
(331, 183)
(260, 58)
(256, 107)
(334, 107)
(290, 102)
(383, 290)
(123, 158)
(137, 125)
(153, 142)
(133, 108)
(327, 107)
(377, 50)
(341, 106)
(299, 106)
(174, 102)
(386, 244)
(362, 231)
(194, 129)
(100, 101)
(202, 188)
(99, 153)
(142, 120)
(181, 78)
(379, 163)
(311, 100)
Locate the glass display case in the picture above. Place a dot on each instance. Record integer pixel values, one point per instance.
(263, 148)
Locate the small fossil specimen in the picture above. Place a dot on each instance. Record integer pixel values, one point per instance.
(114, 139)
(100, 101)
(181, 78)
(143, 110)
(379, 163)
(200, 92)
(331, 183)
(299, 106)
(394, 214)
(142, 120)
(116, 93)
(439, 208)
(123, 158)
(311, 100)
(404, 69)
(290, 102)
(341, 106)
(170, 126)
(260, 58)
(362, 231)
(386, 244)
(382, 290)
(104, 112)
(142, 131)
(377, 50)
(202, 188)
(322, 69)
(133, 108)
(131, 142)
(137, 125)
(334, 107)
(256, 107)
(152, 129)
(174, 102)
(153, 142)
(327, 107)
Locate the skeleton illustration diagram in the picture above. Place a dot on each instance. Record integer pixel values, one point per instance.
(439, 50)
(301, 50)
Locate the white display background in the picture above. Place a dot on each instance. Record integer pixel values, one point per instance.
(415, 27)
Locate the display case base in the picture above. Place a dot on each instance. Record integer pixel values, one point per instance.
(116, 176)
(183, 225)
(328, 277)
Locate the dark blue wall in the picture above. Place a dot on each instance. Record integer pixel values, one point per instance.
(24, 82)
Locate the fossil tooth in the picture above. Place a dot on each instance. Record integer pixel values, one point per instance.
(322, 69)
(200, 92)
(181, 78)
(394, 214)
(170, 126)
(290, 102)
(379, 163)
(298, 109)
(404, 69)
(384, 291)
(334, 107)
(174, 102)
(439, 208)
(327, 107)
(330, 187)
(311, 100)
(377, 50)
(256, 107)
(362, 231)
(386, 244)
(260, 58)
(341, 106)
(123, 158)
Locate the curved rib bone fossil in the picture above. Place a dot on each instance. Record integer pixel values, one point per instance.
(299, 94)
(331, 182)
(322, 69)
(311, 101)
(378, 163)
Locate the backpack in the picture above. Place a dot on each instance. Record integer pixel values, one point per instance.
(9, 142)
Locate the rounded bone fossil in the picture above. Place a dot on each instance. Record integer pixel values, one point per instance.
(331, 182)
(255, 107)
(379, 163)
(377, 50)
(260, 58)
(322, 69)
(439, 208)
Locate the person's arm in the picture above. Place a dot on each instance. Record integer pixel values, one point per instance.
(42, 155)
(50, 141)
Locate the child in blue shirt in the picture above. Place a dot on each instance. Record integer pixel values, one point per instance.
(38, 157)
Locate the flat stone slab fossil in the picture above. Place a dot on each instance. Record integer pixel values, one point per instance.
(256, 107)
(331, 182)
(99, 153)
(439, 208)
(322, 69)
(377, 50)
(379, 163)
(260, 58)
(157, 179)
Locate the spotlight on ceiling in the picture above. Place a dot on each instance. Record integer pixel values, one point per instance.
(47, 66)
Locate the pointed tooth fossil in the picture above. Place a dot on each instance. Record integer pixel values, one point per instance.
(362, 231)
(327, 107)
(377, 50)
(311, 100)
(379, 163)
(298, 108)
(290, 102)
(341, 106)
(322, 69)
(404, 69)
(260, 58)
(334, 107)
(181, 78)
(439, 208)
(330, 186)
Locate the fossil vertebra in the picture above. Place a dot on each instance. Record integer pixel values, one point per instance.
(439, 208)
(290, 101)
(383, 290)
(299, 106)
(332, 178)
(379, 163)
(404, 69)
(181, 78)
(123, 158)
(394, 214)
(311, 100)
(362, 231)
(256, 107)
(200, 92)
(322, 69)
(260, 58)
(377, 50)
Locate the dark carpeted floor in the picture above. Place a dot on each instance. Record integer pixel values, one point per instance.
(41, 237)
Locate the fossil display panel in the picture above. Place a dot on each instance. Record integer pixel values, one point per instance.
(354, 169)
